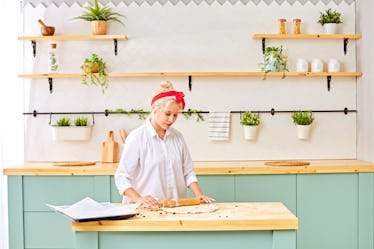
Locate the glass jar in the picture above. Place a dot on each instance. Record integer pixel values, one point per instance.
(333, 65)
(52, 59)
(302, 65)
(296, 26)
(317, 65)
(282, 26)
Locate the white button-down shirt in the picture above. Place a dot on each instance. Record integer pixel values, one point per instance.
(156, 167)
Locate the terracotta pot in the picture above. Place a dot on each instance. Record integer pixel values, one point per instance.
(99, 27)
(91, 67)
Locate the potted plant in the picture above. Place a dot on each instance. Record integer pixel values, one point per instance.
(303, 121)
(274, 61)
(329, 20)
(99, 17)
(250, 122)
(94, 68)
(64, 131)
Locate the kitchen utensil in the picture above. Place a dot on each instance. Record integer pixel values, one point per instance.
(73, 163)
(123, 135)
(287, 163)
(109, 152)
(46, 30)
(180, 202)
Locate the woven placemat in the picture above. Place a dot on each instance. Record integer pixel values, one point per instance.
(287, 163)
(73, 163)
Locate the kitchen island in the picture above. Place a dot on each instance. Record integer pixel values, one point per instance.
(242, 225)
(333, 199)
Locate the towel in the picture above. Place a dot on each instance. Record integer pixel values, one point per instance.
(219, 126)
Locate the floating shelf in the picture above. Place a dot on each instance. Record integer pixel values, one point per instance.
(345, 38)
(200, 74)
(34, 39)
(308, 36)
(328, 75)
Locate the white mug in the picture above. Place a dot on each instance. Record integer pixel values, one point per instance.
(302, 65)
(333, 65)
(317, 65)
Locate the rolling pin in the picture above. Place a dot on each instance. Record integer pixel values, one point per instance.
(180, 202)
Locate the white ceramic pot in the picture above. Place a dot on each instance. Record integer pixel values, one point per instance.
(333, 65)
(330, 28)
(71, 133)
(250, 132)
(303, 131)
(317, 65)
(302, 65)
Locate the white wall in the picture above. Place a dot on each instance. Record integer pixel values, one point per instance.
(196, 38)
(365, 89)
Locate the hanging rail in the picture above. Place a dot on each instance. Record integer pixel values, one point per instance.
(272, 111)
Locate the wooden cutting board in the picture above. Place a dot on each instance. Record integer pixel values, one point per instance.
(110, 150)
(286, 163)
(73, 163)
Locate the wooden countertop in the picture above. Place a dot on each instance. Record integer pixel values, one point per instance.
(237, 216)
(201, 168)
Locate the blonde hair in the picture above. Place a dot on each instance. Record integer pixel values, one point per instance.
(165, 86)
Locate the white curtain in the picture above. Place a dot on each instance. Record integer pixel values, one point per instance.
(11, 102)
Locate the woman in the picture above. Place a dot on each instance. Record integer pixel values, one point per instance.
(155, 163)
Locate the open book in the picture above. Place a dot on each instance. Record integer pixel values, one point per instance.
(88, 209)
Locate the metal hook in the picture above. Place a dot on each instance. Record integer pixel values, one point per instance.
(93, 118)
(50, 118)
(272, 111)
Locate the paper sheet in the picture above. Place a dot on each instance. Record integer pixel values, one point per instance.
(88, 209)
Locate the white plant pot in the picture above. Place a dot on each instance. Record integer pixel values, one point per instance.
(71, 133)
(303, 131)
(330, 28)
(250, 132)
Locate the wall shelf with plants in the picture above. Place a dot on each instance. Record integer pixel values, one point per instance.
(344, 37)
(328, 75)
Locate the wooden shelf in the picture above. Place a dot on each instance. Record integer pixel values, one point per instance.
(308, 36)
(72, 37)
(200, 74)
(344, 37)
(34, 39)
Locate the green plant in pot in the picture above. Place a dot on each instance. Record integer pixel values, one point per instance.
(63, 121)
(94, 68)
(274, 61)
(250, 122)
(329, 20)
(303, 121)
(99, 16)
(80, 121)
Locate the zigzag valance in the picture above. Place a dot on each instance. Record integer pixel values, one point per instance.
(58, 3)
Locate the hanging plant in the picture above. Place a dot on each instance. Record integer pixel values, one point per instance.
(94, 69)
(274, 61)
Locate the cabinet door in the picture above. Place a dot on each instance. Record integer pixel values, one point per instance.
(62, 190)
(327, 208)
(267, 188)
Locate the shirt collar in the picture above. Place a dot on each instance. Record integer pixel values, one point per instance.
(152, 130)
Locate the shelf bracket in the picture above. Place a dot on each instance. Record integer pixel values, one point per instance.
(345, 43)
(328, 82)
(263, 45)
(189, 83)
(33, 45)
(50, 82)
(115, 46)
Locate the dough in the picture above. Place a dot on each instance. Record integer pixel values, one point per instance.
(194, 209)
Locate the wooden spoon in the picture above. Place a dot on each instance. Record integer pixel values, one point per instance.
(123, 135)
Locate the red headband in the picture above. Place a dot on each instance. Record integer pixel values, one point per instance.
(178, 97)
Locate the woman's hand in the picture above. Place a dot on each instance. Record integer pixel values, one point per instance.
(147, 201)
(205, 198)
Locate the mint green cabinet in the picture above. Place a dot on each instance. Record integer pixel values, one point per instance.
(334, 210)
(327, 208)
(267, 188)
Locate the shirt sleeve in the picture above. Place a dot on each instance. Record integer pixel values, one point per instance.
(188, 169)
(128, 164)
